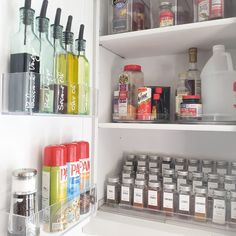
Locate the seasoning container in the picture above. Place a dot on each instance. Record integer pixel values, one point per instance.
(203, 10)
(182, 178)
(116, 105)
(167, 16)
(144, 109)
(232, 217)
(128, 172)
(154, 174)
(140, 193)
(207, 167)
(184, 201)
(141, 172)
(142, 160)
(130, 160)
(23, 200)
(221, 169)
(217, 9)
(168, 176)
(219, 207)
(191, 107)
(169, 198)
(230, 182)
(156, 107)
(113, 190)
(193, 166)
(166, 163)
(179, 165)
(200, 204)
(197, 180)
(153, 161)
(233, 168)
(127, 187)
(154, 195)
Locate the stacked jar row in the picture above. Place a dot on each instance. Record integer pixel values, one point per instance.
(205, 190)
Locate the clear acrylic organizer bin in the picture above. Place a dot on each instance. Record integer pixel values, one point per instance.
(24, 94)
(39, 224)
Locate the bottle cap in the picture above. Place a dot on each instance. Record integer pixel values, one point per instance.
(200, 190)
(167, 159)
(142, 157)
(213, 176)
(219, 192)
(168, 171)
(140, 182)
(153, 157)
(154, 170)
(133, 68)
(221, 163)
(207, 162)
(218, 48)
(156, 97)
(169, 186)
(185, 187)
(113, 179)
(83, 149)
(128, 181)
(193, 161)
(182, 173)
(179, 160)
(128, 168)
(141, 168)
(154, 184)
(197, 174)
(55, 155)
(72, 149)
(158, 90)
(24, 174)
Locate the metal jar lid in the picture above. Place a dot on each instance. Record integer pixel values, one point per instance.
(128, 168)
(230, 177)
(154, 184)
(213, 176)
(168, 171)
(233, 194)
(169, 186)
(128, 181)
(221, 163)
(130, 157)
(23, 174)
(113, 179)
(180, 160)
(185, 187)
(140, 182)
(153, 158)
(200, 190)
(197, 174)
(154, 170)
(163, 4)
(142, 157)
(193, 161)
(207, 162)
(233, 164)
(166, 159)
(219, 192)
(182, 173)
(141, 168)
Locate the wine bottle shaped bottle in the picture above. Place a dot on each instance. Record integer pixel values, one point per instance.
(25, 47)
(72, 69)
(46, 62)
(60, 67)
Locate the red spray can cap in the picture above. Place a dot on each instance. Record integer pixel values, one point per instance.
(83, 149)
(55, 155)
(72, 152)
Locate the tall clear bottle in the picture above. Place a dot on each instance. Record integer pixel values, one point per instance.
(72, 69)
(83, 74)
(46, 62)
(60, 67)
(25, 48)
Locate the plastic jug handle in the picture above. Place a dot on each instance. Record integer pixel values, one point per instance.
(229, 61)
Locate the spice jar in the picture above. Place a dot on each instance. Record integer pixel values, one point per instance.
(128, 172)
(230, 182)
(191, 107)
(23, 199)
(142, 160)
(141, 172)
(127, 188)
(217, 9)
(197, 180)
(154, 195)
(154, 174)
(113, 190)
(140, 193)
(219, 207)
(193, 166)
(138, 15)
(184, 201)
(153, 161)
(182, 178)
(233, 168)
(232, 217)
(221, 168)
(203, 8)
(166, 163)
(200, 204)
(169, 198)
(166, 14)
(168, 176)
(207, 167)
(130, 160)
(179, 165)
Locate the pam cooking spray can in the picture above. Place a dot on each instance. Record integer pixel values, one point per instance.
(73, 182)
(54, 188)
(84, 162)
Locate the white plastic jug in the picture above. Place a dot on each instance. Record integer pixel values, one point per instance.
(219, 86)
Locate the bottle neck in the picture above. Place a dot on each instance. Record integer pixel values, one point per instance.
(69, 48)
(81, 53)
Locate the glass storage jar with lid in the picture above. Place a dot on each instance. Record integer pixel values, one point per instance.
(166, 163)
(197, 180)
(200, 204)
(193, 166)
(169, 198)
(140, 193)
(207, 167)
(142, 160)
(167, 17)
(182, 178)
(130, 160)
(154, 174)
(233, 168)
(219, 207)
(168, 176)
(154, 195)
(113, 190)
(153, 161)
(180, 164)
(127, 189)
(232, 217)
(128, 172)
(222, 168)
(141, 172)
(184, 199)
(230, 182)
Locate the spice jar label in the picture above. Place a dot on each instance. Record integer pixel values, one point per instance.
(179, 167)
(152, 198)
(126, 175)
(219, 211)
(233, 210)
(222, 171)
(138, 196)
(167, 180)
(110, 192)
(196, 184)
(165, 166)
(168, 199)
(153, 177)
(180, 181)
(184, 202)
(206, 170)
(211, 187)
(200, 205)
(192, 168)
(152, 164)
(141, 163)
(125, 194)
(230, 187)
(140, 176)
(129, 163)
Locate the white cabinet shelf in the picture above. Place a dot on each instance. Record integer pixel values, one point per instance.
(170, 127)
(172, 40)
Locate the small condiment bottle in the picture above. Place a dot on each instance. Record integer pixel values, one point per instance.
(232, 217)
(222, 169)
(127, 188)
(169, 198)
(182, 178)
(200, 204)
(168, 176)
(207, 167)
(233, 168)
(153, 161)
(141, 172)
(230, 182)
(166, 14)
(113, 190)
(184, 199)
(154, 195)
(219, 207)
(180, 164)
(197, 180)
(154, 174)
(156, 107)
(140, 193)
(193, 166)
(142, 160)
(130, 160)
(128, 172)
(166, 163)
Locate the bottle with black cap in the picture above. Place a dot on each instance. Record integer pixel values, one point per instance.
(60, 66)
(72, 69)
(46, 62)
(25, 48)
(83, 74)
